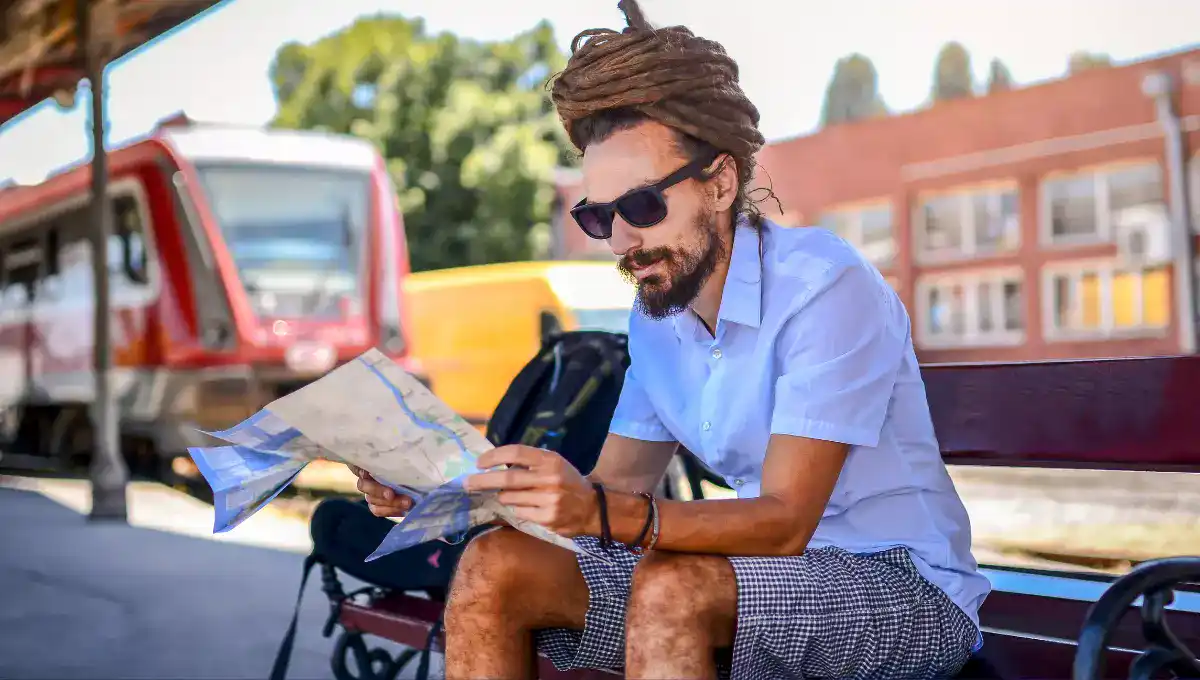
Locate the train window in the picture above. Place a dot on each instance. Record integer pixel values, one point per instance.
(129, 241)
(22, 263)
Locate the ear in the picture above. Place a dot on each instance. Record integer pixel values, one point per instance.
(724, 182)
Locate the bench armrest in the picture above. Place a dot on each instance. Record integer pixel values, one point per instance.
(1155, 583)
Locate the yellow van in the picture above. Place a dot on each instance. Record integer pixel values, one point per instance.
(473, 328)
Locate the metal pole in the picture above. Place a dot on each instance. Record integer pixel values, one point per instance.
(108, 473)
(1160, 87)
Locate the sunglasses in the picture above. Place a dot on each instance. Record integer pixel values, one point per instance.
(641, 207)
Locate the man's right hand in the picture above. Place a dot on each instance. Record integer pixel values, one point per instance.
(384, 502)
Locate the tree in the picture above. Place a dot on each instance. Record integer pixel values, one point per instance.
(999, 77)
(952, 77)
(853, 92)
(469, 134)
(1081, 61)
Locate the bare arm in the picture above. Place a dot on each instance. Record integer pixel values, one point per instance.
(632, 465)
(799, 475)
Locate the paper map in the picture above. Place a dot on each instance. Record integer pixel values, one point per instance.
(373, 414)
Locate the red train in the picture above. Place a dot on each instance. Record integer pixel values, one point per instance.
(244, 263)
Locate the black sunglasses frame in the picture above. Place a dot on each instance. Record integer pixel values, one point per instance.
(605, 212)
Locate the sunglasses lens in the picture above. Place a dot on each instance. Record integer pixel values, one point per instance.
(643, 208)
(595, 221)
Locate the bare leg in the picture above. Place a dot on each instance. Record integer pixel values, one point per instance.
(681, 610)
(507, 585)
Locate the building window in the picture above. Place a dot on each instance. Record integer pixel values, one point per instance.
(971, 309)
(1098, 299)
(1080, 208)
(868, 228)
(969, 223)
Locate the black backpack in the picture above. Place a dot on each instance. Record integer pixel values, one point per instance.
(563, 400)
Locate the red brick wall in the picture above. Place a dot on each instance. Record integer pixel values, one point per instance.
(1093, 118)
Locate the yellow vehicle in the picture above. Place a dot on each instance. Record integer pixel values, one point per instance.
(473, 328)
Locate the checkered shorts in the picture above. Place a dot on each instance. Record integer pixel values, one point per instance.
(827, 613)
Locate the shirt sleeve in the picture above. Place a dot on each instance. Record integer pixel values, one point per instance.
(635, 416)
(840, 352)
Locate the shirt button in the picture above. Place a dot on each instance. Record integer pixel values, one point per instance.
(739, 482)
(706, 426)
(716, 353)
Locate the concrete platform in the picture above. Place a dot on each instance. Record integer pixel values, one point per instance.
(159, 598)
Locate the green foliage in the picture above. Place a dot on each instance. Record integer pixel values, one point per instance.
(467, 129)
(1082, 61)
(999, 77)
(952, 77)
(853, 92)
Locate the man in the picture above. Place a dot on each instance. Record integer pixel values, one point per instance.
(781, 358)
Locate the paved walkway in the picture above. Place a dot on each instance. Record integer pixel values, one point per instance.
(84, 600)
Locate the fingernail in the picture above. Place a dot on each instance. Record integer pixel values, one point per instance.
(388, 494)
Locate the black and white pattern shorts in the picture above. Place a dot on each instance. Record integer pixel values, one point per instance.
(827, 613)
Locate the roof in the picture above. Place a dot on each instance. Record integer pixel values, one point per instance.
(222, 143)
(39, 53)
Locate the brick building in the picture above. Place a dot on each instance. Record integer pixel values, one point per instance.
(1029, 224)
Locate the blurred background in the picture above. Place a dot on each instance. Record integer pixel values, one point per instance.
(292, 185)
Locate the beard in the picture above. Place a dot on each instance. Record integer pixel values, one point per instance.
(687, 270)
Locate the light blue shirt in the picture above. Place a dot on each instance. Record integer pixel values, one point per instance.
(812, 342)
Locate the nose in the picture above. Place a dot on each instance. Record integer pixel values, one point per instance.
(624, 237)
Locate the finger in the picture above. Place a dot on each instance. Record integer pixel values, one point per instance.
(371, 487)
(358, 472)
(515, 454)
(532, 499)
(506, 479)
(386, 510)
(397, 501)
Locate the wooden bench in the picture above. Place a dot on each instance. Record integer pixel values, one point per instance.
(1126, 414)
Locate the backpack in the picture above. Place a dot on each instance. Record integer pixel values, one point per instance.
(562, 400)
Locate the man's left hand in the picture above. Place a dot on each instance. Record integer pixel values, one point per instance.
(541, 487)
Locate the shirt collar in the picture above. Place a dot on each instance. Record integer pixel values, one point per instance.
(741, 299)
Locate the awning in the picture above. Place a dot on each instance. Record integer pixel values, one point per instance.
(40, 55)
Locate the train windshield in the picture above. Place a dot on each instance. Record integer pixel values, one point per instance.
(296, 234)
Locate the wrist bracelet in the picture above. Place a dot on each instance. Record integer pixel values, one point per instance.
(637, 542)
(654, 533)
(605, 530)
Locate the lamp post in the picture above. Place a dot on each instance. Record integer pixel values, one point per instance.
(109, 476)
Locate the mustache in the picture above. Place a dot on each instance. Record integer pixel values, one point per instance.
(644, 258)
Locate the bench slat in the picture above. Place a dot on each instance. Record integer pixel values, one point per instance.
(1099, 414)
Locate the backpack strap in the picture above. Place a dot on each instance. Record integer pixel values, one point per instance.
(284, 655)
(586, 367)
(527, 382)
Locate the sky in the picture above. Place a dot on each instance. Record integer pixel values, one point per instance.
(216, 68)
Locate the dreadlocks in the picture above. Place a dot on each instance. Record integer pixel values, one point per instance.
(669, 75)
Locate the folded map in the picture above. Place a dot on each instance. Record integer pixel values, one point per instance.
(373, 414)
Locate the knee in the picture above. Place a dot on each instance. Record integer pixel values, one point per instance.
(492, 568)
(682, 587)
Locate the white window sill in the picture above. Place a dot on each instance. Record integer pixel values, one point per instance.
(1004, 339)
(1103, 335)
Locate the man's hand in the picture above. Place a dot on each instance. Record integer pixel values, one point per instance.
(384, 502)
(541, 487)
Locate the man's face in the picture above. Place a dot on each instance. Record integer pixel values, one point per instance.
(670, 261)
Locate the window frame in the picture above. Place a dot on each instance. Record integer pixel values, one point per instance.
(970, 281)
(857, 208)
(1105, 232)
(121, 296)
(1105, 269)
(968, 248)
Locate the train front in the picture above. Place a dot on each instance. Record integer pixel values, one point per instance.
(309, 248)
